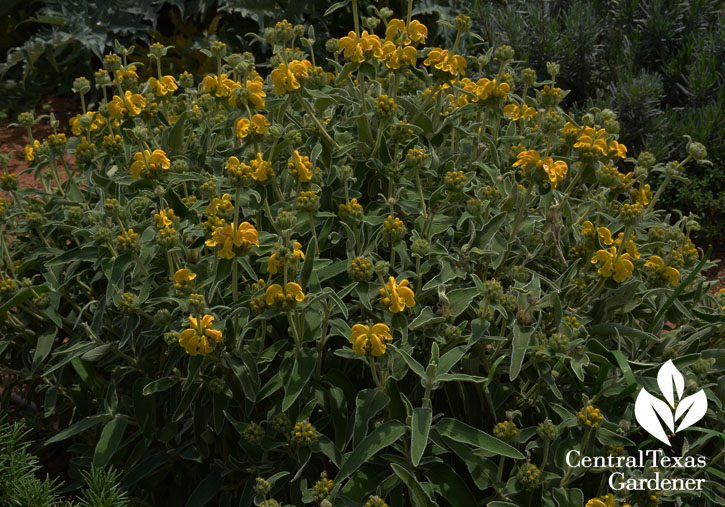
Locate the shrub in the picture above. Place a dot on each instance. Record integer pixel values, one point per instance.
(658, 64)
(20, 486)
(410, 278)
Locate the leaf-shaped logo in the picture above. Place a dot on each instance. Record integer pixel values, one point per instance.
(651, 412)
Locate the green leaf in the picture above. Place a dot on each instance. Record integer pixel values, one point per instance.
(76, 428)
(418, 495)
(158, 386)
(488, 230)
(420, 427)
(336, 6)
(450, 358)
(176, 134)
(111, 436)
(565, 497)
(624, 366)
(459, 299)
(412, 363)
(381, 437)
(449, 485)
(461, 432)
(368, 404)
(186, 400)
(301, 372)
(307, 266)
(426, 316)
(206, 490)
(518, 350)
(43, 348)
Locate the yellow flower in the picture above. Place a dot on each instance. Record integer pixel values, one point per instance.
(260, 124)
(256, 93)
(556, 171)
(514, 112)
(630, 247)
(164, 218)
(200, 338)
(261, 169)
(300, 167)
(164, 86)
(220, 86)
(605, 235)
(396, 56)
(234, 240)
(620, 150)
(528, 159)
(486, 88)
(603, 501)
(286, 77)
(618, 267)
(149, 164)
(593, 141)
(370, 341)
(440, 59)
(274, 264)
(642, 195)
(416, 32)
(221, 206)
(396, 296)
(667, 273)
(183, 278)
(241, 127)
(31, 150)
(359, 50)
(291, 293)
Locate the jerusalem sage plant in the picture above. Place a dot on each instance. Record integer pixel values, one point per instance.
(406, 277)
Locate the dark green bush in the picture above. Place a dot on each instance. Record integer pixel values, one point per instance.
(659, 64)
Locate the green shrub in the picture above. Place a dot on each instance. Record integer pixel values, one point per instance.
(19, 485)
(658, 64)
(378, 282)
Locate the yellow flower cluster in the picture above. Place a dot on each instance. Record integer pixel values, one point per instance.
(164, 218)
(164, 86)
(31, 150)
(286, 77)
(184, 280)
(258, 124)
(234, 241)
(199, 338)
(130, 104)
(92, 121)
(275, 264)
(619, 267)
(397, 296)
(128, 240)
(262, 170)
(444, 61)
(370, 340)
(589, 416)
(362, 48)
(555, 171)
(604, 501)
(148, 164)
(662, 271)
(287, 296)
(301, 167)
